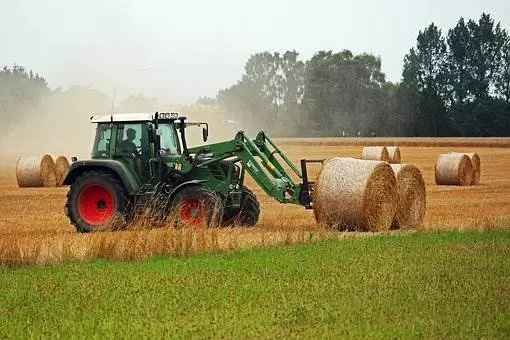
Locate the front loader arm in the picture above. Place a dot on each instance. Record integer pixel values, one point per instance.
(259, 162)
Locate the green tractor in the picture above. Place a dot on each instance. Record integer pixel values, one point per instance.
(141, 165)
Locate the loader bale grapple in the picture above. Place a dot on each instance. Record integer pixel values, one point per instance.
(141, 165)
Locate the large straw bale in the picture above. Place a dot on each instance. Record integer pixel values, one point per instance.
(394, 154)
(475, 161)
(61, 168)
(453, 169)
(375, 153)
(477, 167)
(355, 194)
(411, 200)
(36, 171)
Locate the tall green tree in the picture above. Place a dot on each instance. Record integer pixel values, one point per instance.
(503, 78)
(459, 76)
(290, 117)
(476, 64)
(269, 93)
(486, 54)
(459, 43)
(343, 93)
(425, 73)
(261, 70)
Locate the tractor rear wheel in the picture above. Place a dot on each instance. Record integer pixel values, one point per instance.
(97, 201)
(247, 214)
(195, 206)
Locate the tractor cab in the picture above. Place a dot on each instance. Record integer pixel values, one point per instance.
(139, 139)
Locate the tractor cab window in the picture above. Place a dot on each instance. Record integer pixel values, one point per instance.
(129, 140)
(102, 141)
(169, 140)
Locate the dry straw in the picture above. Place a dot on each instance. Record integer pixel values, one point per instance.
(61, 168)
(411, 200)
(375, 153)
(36, 171)
(453, 169)
(475, 160)
(394, 154)
(355, 194)
(142, 243)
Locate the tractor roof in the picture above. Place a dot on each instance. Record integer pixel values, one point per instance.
(131, 117)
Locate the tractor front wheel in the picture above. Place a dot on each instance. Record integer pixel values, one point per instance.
(97, 201)
(248, 213)
(196, 206)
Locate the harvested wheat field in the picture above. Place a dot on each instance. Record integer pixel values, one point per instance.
(33, 227)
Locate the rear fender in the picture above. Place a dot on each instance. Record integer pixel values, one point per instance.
(115, 167)
(185, 184)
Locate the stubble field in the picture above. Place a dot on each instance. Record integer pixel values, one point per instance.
(34, 229)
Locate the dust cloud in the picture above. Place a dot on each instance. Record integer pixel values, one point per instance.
(61, 125)
(55, 127)
(220, 129)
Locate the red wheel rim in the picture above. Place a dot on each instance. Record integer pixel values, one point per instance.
(192, 211)
(95, 204)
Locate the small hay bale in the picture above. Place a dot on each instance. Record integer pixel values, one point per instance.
(375, 153)
(355, 194)
(36, 171)
(453, 169)
(411, 200)
(394, 154)
(475, 161)
(61, 168)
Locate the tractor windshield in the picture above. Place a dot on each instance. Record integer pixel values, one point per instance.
(101, 147)
(169, 140)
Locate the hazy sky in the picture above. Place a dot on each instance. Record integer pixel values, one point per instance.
(179, 50)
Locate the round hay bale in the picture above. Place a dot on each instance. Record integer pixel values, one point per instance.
(477, 167)
(453, 169)
(375, 153)
(61, 168)
(475, 161)
(411, 199)
(355, 194)
(36, 171)
(394, 154)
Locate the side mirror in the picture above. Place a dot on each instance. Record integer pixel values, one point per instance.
(205, 133)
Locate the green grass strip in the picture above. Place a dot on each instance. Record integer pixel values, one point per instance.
(421, 285)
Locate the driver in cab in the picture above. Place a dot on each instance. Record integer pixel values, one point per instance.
(127, 145)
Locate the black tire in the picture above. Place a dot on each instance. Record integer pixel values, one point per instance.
(248, 213)
(107, 193)
(194, 206)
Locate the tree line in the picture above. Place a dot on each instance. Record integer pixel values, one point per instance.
(24, 93)
(456, 84)
(453, 84)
